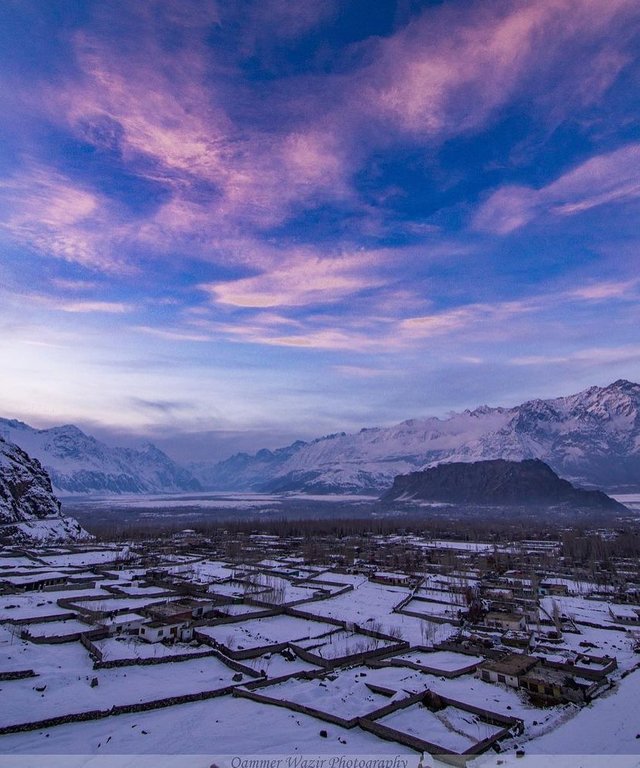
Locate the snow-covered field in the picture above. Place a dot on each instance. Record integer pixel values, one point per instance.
(226, 726)
(118, 648)
(272, 630)
(64, 678)
(343, 643)
(446, 661)
(451, 728)
(344, 694)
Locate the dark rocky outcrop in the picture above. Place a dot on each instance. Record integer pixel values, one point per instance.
(496, 483)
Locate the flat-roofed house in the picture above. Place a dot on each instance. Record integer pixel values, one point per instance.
(507, 670)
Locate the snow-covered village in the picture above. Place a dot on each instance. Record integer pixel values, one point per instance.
(320, 383)
(468, 650)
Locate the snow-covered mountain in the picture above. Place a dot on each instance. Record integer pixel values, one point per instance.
(591, 438)
(78, 463)
(29, 511)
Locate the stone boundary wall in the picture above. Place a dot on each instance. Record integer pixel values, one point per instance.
(361, 657)
(265, 682)
(142, 662)
(70, 586)
(295, 707)
(52, 639)
(435, 618)
(450, 674)
(214, 622)
(298, 613)
(17, 674)
(245, 653)
(41, 619)
(118, 709)
(507, 724)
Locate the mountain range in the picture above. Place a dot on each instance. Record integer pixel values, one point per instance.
(80, 464)
(29, 510)
(592, 438)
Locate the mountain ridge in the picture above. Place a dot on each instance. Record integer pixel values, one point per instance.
(591, 437)
(80, 464)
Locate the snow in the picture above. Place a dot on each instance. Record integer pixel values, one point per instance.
(450, 728)
(36, 604)
(342, 643)
(447, 661)
(67, 670)
(572, 434)
(112, 603)
(88, 557)
(71, 457)
(222, 726)
(371, 605)
(607, 726)
(274, 665)
(471, 690)
(344, 694)
(52, 628)
(267, 631)
(429, 608)
(130, 647)
(580, 610)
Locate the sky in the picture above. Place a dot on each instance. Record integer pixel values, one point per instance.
(227, 225)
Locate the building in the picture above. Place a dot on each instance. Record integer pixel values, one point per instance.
(506, 670)
(159, 631)
(392, 579)
(506, 621)
(123, 623)
(556, 589)
(553, 686)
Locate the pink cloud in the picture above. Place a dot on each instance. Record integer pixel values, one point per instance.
(607, 178)
(451, 70)
(106, 307)
(58, 218)
(302, 280)
(605, 291)
(169, 117)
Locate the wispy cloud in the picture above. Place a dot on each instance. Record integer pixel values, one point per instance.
(451, 69)
(171, 334)
(302, 280)
(164, 407)
(609, 178)
(50, 213)
(590, 356)
(108, 307)
(75, 306)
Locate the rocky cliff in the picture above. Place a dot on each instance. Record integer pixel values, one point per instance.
(29, 510)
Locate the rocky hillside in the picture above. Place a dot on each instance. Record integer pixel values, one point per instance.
(78, 463)
(496, 483)
(592, 438)
(29, 511)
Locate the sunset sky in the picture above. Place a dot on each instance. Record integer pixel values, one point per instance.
(227, 225)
